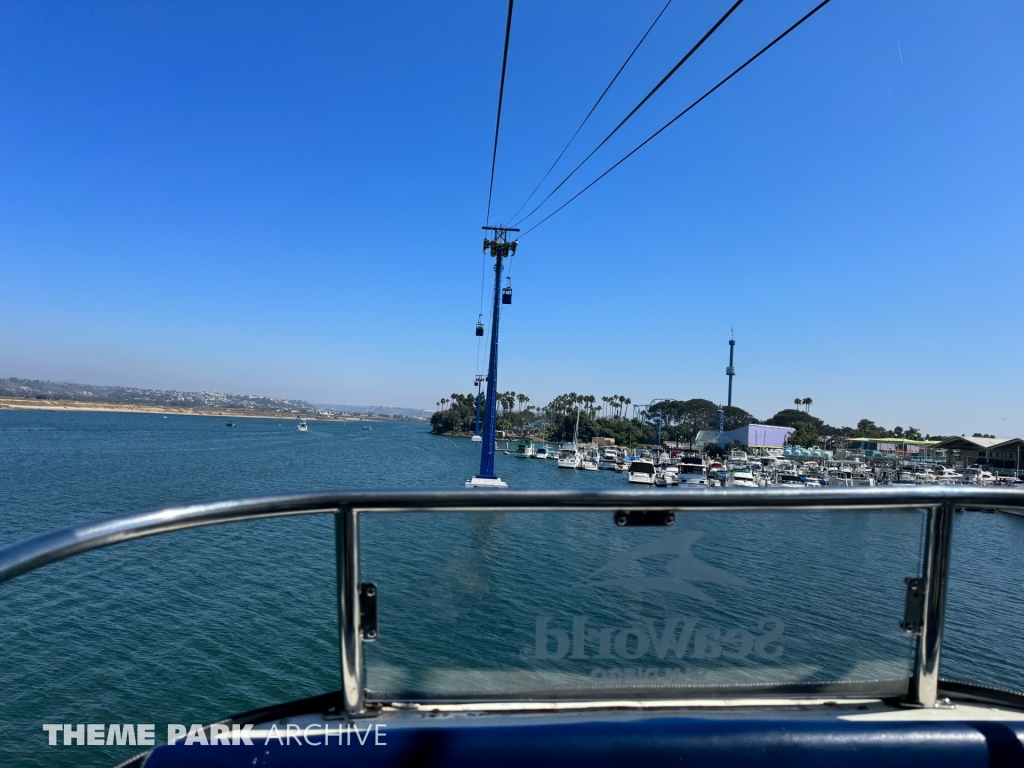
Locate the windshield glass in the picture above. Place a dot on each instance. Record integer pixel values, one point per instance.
(729, 599)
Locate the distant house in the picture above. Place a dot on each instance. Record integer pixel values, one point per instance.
(1000, 454)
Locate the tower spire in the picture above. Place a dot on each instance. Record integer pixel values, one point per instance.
(731, 371)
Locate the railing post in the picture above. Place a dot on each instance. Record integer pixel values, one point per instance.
(346, 554)
(924, 686)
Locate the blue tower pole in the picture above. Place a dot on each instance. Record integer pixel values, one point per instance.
(500, 248)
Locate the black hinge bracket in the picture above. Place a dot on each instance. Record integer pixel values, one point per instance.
(624, 518)
(913, 608)
(368, 612)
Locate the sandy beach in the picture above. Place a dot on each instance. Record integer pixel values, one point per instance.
(15, 403)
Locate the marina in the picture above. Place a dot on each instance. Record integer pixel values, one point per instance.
(674, 467)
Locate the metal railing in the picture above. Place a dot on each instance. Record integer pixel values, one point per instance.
(940, 503)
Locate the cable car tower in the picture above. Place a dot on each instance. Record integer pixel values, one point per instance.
(478, 380)
(500, 248)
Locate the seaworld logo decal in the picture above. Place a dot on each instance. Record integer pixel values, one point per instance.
(681, 570)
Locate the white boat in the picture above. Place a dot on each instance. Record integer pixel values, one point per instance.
(302, 425)
(975, 475)
(570, 457)
(788, 480)
(611, 458)
(667, 476)
(692, 473)
(861, 479)
(642, 471)
(525, 449)
(476, 439)
(840, 478)
(742, 475)
(590, 460)
(541, 452)
(946, 476)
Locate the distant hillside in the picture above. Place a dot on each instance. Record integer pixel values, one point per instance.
(98, 393)
(34, 389)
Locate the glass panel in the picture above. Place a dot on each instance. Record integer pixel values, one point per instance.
(983, 639)
(568, 604)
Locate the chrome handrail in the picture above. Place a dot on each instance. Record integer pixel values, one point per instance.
(940, 502)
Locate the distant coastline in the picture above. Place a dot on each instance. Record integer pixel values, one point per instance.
(35, 394)
(19, 404)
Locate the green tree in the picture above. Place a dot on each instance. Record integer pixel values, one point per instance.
(805, 435)
(736, 417)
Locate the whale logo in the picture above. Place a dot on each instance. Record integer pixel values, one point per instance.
(682, 569)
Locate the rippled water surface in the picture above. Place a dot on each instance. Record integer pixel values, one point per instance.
(193, 626)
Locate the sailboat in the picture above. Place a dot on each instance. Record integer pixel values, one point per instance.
(569, 454)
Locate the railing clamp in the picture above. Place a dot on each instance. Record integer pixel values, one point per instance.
(368, 612)
(644, 517)
(913, 607)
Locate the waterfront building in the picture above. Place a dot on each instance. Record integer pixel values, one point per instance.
(893, 446)
(996, 454)
(750, 436)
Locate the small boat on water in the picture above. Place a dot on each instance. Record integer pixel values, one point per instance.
(367, 428)
(229, 424)
(525, 449)
(303, 427)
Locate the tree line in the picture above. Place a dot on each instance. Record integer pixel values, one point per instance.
(616, 416)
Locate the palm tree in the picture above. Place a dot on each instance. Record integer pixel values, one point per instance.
(798, 402)
(523, 400)
(807, 402)
(508, 402)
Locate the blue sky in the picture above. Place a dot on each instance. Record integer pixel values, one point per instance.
(286, 199)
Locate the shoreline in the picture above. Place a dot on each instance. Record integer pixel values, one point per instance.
(18, 404)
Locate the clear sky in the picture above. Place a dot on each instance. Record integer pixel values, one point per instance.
(286, 199)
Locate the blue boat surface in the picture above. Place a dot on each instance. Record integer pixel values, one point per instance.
(637, 647)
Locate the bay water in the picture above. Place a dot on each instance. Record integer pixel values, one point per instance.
(197, 625)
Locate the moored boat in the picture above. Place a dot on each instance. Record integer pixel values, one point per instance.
(642, 472)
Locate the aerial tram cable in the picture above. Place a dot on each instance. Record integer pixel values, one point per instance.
(636, 108)
(670, 122)
(494, 159)
(501, 93)
(599, 98)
